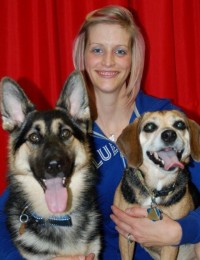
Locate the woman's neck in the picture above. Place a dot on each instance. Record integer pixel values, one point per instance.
(113, 115)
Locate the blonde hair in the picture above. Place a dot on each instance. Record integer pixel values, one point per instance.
(123, 17)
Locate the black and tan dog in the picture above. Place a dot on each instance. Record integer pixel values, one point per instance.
(157, 146)
(52, 206)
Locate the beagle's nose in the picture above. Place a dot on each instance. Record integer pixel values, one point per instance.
(169, 136)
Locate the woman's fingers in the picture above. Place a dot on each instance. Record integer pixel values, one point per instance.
(137, 212)
(122, 220)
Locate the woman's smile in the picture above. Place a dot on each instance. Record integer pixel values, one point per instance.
(107, 74)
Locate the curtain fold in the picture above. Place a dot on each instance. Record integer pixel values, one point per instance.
(37, 39)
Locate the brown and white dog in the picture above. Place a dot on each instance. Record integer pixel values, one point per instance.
(158, 146)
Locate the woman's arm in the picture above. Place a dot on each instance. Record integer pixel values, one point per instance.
(144, 230)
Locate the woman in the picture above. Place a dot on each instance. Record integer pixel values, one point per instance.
(109, 49)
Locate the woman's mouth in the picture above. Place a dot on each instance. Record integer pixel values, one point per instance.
(107, 74)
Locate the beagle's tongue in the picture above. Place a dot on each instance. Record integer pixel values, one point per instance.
(170, 159)
(55, 195)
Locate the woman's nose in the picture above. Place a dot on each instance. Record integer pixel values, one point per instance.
(108, 59)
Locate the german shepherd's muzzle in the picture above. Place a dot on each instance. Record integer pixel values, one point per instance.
(52, 206)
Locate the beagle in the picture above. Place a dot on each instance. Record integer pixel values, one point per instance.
(157, 147)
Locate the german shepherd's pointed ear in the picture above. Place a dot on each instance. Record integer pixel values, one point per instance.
(74, 98)
(129, 144)
(15, 105)
(194, 129)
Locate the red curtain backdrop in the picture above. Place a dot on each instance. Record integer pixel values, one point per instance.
(36, 38)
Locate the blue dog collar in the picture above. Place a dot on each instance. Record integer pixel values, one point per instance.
(27, 217)
(55, 220)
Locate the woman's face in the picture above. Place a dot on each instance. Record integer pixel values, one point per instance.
(108, 57)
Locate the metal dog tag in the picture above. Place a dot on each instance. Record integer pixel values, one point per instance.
(23, 219)
(154, 214)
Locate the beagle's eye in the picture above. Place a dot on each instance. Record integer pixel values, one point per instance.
(65, 134)
(35, 138)
(180, 125)
(150, 127)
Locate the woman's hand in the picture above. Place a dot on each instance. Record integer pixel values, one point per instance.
(88, 257)
(134, 221)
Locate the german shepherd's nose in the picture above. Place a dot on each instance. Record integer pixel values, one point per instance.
(56, 162)
(169, 136)
(54, 167)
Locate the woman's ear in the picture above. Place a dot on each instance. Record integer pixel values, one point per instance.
(129, 144)
(194, 140)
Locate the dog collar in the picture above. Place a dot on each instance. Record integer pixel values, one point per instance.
(164, 192)
(155, 193)
(28, 217)
(63, 221)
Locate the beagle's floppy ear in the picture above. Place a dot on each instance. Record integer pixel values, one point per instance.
(129, 144)
(194, 139)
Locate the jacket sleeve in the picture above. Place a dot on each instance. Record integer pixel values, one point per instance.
(190, 224)
(7, 249)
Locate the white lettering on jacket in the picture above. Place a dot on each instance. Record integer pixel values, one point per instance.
(105, 153)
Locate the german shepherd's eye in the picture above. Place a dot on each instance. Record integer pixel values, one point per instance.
(150, 127)
(34, 138)
(65, 134)
(180, 125)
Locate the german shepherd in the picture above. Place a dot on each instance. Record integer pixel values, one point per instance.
(52, 208)
(158, 146)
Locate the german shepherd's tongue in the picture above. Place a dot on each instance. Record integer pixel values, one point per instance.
(55, 195)
(170, 159)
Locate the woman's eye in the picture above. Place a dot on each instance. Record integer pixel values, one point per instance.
(121, 52)
(35, 138)
(150, 127)
(65, 134)
(97, 50)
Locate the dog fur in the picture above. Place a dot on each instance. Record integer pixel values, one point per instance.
(147, 144)
(51, 173)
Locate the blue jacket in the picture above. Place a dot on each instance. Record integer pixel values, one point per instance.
(110, 166)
